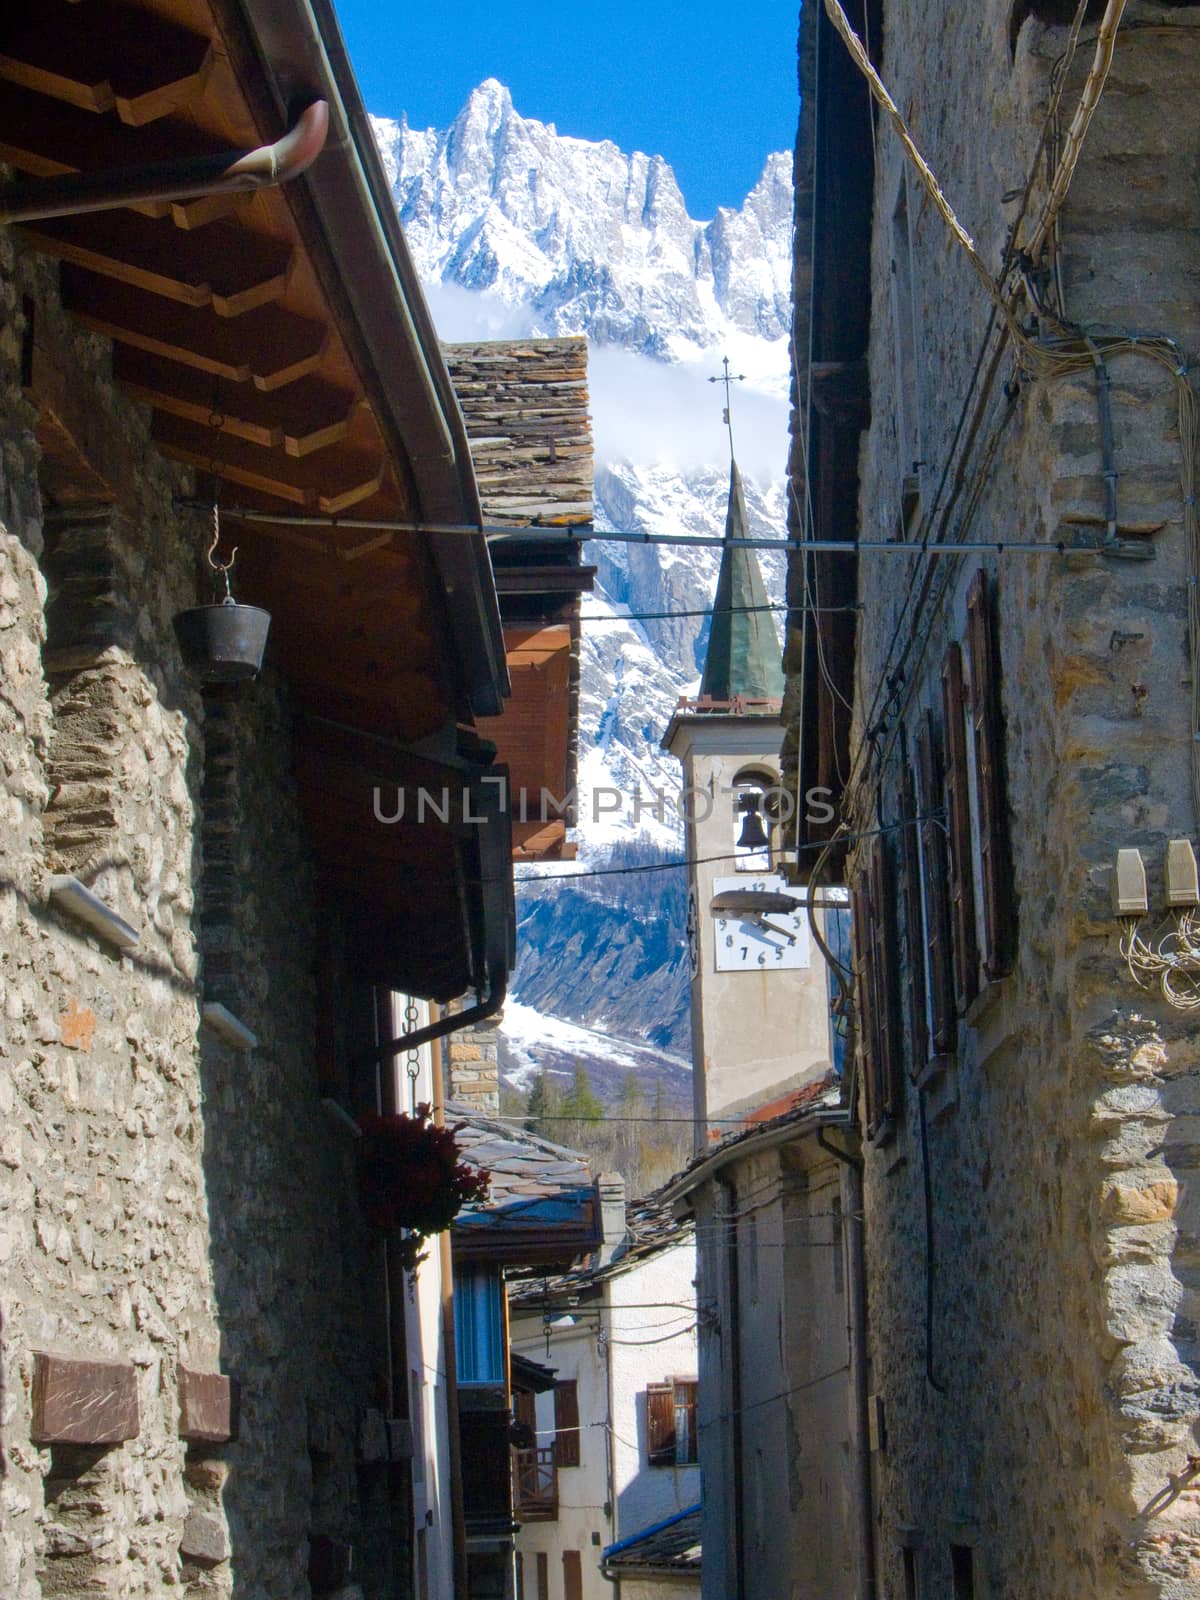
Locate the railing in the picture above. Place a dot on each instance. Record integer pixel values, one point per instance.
(741, 705)
(535, 1485)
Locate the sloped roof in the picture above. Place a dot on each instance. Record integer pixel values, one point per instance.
(651, 1226)
(670, 1546)
(542, 1203)
(805, 1109)
(743, 658)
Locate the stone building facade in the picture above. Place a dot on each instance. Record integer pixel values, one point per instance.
(206, 916)
(1016, 716)
(166, 1200)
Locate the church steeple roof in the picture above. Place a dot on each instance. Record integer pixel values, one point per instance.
(743, 649)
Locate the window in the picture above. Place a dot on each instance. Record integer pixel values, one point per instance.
(837, 937)
(914, 927)
(987, 739)
(962, 1571)
(935, 889)
(478, 1325)
(671, 1423)
(566, 1423)
(983, 905)
(543, 1576)
(958, 817)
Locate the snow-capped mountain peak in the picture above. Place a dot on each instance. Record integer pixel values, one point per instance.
(589, 238)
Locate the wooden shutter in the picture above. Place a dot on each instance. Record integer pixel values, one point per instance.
(572, 1575)
(958, 809)
(543, 1576)
(877, 956)
(915, 988)
(566, 1423)
(520, 1575)
(988, 727)
(935, 865)
(660, 1424)
(864, 994)
(885, 941)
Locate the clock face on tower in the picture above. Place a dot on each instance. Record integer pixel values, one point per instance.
(749, 941)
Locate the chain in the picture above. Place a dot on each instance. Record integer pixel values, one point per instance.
(220, 569)
(412, 1061)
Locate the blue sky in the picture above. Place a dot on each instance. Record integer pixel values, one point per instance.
(710, 87)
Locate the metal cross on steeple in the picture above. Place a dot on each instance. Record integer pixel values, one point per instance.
(728, 378)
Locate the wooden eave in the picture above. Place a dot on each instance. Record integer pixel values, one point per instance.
(831, 289)
(284, 351)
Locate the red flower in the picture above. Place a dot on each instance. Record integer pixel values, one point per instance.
(410, 1175)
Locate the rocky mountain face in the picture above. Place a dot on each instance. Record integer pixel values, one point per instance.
(586, 238)
(517, 229)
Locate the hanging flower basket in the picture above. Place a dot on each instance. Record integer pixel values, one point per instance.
(410, 1176)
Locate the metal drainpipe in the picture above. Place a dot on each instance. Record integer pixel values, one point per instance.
(497, 993)
(458, 1511)
(227, 172)
(726, 1186)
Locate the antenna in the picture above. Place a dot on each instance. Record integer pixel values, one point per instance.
(728, 378)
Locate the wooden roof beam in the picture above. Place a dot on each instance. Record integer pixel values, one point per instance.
(307, 415)
(100, 58)
(229, 268)
(270, 347)
(328, 485)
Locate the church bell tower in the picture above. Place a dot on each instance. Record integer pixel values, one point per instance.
(759, 997)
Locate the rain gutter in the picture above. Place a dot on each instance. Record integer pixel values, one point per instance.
(751, 1144)
(301, 53)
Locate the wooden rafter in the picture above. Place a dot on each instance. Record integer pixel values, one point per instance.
(104, 58)
(271, 347)
(223, 266)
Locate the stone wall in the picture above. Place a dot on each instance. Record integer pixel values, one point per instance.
(472, 1066)
(1043, 1415)
(166, 1203)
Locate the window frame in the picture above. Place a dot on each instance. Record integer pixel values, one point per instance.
(469, 1314)
(669, 1399)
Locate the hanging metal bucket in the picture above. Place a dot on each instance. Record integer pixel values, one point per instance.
(223, 643)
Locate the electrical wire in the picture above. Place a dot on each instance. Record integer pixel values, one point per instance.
(589, 618)
(688, 861)
(1089, 100)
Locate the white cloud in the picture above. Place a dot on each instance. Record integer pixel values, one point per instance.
(462, 315)
(649, 413)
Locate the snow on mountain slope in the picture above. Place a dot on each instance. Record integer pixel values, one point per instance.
(589, 239)
(516, 229)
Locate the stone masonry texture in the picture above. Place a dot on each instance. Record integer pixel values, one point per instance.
(1049, 1421)
(165, 1203)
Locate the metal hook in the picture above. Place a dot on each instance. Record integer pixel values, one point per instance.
(223, 567)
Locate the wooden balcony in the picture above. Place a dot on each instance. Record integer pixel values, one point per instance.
(535, 1485)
